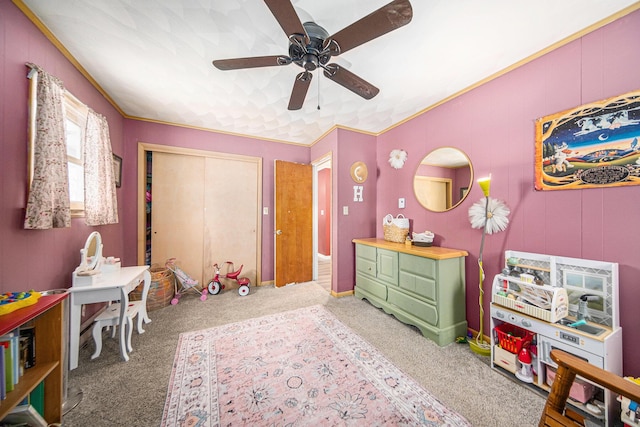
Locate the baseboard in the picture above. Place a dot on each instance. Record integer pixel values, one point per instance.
(341, 294)
(473, 333)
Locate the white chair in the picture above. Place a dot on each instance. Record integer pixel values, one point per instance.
(110, 317)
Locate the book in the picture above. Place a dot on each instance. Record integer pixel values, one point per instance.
(8, 365)
(36, 398)
(13, 359)
(28, 334)
(24, 415)
(3, 385)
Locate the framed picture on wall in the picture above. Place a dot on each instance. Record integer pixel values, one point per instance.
(591, 146)
(117, 170)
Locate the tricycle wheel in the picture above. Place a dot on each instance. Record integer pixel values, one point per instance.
(174, 301)
(214, 287)
(243, 290)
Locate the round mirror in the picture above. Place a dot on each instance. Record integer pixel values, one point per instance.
(92, 252)
(443, 179)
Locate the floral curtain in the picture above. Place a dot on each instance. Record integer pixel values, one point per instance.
(100, 201)
(48, 204)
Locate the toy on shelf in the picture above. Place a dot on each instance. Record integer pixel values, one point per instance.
(630, 410)
(541, 301)
(11, 301)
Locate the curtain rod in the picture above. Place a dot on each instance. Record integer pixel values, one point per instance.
(33, 68)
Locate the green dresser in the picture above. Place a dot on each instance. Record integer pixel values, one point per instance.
(420, 286)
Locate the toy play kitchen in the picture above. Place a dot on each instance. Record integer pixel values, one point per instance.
(541, 302)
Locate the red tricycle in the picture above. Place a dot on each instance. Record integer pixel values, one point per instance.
(215, 286)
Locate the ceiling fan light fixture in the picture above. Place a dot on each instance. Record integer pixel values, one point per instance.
(310, 62)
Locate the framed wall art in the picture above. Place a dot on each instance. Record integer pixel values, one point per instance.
(117, 170)
(591, 146)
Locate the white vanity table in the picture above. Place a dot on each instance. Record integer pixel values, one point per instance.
(94, 282)
(111, 286)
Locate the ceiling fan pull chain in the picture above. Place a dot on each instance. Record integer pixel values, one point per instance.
(318, 89)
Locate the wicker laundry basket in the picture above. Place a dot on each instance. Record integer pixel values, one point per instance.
(161, 290)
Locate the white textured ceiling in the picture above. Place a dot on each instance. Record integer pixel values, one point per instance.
(153, 57)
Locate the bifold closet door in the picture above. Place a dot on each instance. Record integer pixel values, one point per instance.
(231, 199)
(177, 211)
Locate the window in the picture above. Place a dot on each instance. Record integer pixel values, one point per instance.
(75, 120)
(74, 124)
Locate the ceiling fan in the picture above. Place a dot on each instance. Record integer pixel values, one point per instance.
(310, 47)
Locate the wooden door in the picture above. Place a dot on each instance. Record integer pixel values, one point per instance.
(294, 223)
(177, 215)
(434, 193)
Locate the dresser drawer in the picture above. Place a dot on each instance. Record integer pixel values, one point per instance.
(420, 309)
(422, 286)
(366, 266)
(419, 266)
(418, 275)
(370, 286)
(367, 252)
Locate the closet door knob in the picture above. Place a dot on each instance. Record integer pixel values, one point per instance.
(278, 232)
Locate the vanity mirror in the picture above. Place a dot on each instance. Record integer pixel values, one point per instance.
(90, 260)
(91, 254)
(443, 179)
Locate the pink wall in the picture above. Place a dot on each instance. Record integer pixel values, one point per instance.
(498, 136)
(324, 211)
(39, 259)
(347, 148)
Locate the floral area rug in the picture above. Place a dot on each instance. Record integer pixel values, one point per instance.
(296, 368)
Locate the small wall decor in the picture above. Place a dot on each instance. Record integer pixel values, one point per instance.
(397, 158)
(591, 146)
(117, 170)
(357, 193)
(359, 172)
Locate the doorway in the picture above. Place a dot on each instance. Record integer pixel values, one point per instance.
(322, 221)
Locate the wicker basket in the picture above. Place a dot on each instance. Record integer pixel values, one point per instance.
(161, 289)
(395, 229)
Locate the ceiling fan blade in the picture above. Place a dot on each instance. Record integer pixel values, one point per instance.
(253, 62)
(388, 18)
(287, 17)
(351, 81)
(299, 92)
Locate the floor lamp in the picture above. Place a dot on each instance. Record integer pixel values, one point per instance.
(490, 215)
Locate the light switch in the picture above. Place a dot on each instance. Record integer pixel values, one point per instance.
(345, 210)
(265, 210)
(401, 203)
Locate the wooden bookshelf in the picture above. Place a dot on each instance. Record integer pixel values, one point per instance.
(47, 317)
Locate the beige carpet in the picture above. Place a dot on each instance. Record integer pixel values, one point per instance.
(133, 393)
